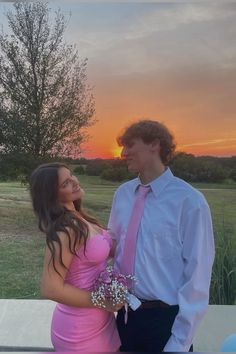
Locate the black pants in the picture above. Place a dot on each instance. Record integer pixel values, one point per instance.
(147, 330)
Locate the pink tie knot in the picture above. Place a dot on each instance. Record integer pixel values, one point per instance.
(143, 190)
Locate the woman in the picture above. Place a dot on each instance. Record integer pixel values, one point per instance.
(77, 249)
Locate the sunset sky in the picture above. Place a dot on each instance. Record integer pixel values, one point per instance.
(174, 62)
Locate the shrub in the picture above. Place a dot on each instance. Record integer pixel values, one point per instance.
(223, 283)
(95, 167)
(117, 174)
(80, 170)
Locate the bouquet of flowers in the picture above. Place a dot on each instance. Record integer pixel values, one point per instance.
(111, 285)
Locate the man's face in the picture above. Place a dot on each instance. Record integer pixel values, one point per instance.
(138, 155)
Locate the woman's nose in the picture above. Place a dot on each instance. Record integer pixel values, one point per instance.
(75, 181)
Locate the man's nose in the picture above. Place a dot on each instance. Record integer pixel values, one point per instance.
(123, 152)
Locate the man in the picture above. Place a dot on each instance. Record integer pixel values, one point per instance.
(174, 250)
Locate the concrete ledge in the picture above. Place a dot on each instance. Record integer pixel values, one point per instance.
(25, 326)
(25, 323)
(7, 349)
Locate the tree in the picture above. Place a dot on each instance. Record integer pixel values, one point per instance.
(116, 174)
(45, 101)
(95, 167)
(183, 165)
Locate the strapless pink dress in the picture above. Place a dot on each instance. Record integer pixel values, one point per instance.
(86, 329)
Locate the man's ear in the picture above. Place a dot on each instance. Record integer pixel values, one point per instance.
(155, 145)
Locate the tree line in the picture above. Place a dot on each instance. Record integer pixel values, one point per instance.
(186, 166)
(191, 168)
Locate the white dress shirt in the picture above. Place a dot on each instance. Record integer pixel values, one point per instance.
(174, 251)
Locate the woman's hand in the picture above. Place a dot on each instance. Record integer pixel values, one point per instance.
(106, 304)
(110, 307)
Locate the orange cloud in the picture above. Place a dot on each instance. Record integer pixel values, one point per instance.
(194, 106)
(216, 147)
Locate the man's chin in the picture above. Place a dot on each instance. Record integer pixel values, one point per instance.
(132, 169)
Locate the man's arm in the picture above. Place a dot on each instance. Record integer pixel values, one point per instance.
(193, 296)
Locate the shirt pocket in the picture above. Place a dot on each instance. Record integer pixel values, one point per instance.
(166, 243)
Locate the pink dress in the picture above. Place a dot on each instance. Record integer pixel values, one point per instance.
(86, 329)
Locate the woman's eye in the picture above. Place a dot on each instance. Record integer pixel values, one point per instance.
(65, 183)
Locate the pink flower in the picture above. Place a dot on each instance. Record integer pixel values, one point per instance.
(105, 277)
(112, 285)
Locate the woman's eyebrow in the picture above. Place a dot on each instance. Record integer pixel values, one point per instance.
(67, 179)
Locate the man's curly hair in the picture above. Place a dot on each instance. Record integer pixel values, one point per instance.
(150, 131)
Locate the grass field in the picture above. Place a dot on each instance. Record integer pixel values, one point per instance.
(22, 245)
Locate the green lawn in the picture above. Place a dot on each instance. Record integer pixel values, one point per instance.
(22, 245)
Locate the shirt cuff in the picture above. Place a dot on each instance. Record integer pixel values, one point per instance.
(174, 345)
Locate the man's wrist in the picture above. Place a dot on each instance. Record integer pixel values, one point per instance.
(174, 345)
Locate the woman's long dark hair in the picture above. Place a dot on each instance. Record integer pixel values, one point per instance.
(54, 217)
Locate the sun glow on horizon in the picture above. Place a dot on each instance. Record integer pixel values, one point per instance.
(116, 152)
(211, 147)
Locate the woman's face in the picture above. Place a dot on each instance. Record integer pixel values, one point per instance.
(69, 187)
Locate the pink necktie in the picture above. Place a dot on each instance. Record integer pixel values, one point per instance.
(127, 264)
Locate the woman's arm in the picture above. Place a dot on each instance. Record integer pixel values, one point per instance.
(53, 285)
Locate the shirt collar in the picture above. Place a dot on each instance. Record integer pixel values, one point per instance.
(158, 184)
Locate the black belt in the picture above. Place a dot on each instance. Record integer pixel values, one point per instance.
(150, 304)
